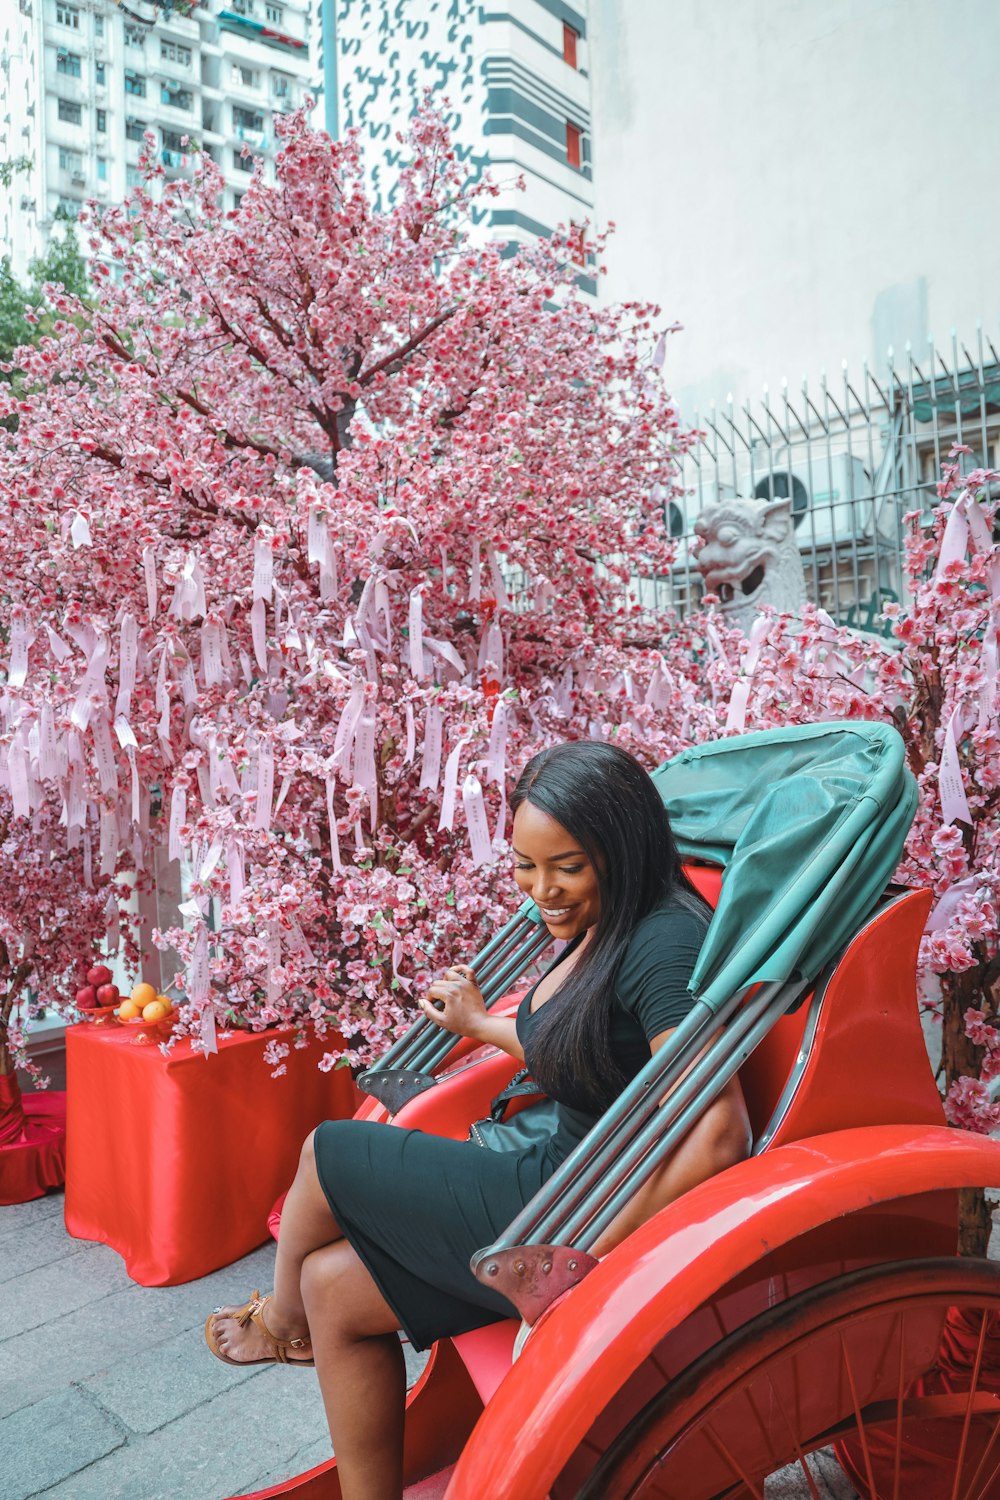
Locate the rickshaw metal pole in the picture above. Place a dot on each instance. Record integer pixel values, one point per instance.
(633, 1169)
(576, 1205)
(435, 1046)
(496, 949)
(618, 1123)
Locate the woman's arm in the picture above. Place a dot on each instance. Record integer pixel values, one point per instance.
(455, 1004)
(719, 1139)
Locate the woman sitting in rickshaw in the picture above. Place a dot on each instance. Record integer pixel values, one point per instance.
(379, 1226)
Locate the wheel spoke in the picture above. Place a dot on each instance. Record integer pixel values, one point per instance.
(897, 1462)
(972, 1396)
(720, 1447)
(800, 1456)
(858, 1419)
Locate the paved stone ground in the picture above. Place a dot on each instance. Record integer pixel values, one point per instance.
(107, 1391)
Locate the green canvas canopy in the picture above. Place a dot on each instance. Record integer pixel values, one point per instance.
(809, 823)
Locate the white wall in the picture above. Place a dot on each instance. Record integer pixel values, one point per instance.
(798, 181)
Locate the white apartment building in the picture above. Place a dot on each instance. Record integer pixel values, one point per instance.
(516, 78)
(81, 81)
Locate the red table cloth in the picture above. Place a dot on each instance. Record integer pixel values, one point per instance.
(176, 1161)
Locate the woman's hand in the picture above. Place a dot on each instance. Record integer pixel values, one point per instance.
(455, 1003)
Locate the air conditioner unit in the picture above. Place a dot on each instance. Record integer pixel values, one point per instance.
(832, 498)
(80, 178)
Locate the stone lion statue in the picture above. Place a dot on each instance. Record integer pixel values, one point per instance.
(749, 557)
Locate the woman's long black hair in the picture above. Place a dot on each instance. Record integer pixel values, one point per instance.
(606, 801)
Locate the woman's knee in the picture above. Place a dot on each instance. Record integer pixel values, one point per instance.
(307, 1156)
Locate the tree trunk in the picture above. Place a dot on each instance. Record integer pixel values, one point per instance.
(961, 1059)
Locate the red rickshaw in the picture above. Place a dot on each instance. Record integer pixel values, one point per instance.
(810, 1297)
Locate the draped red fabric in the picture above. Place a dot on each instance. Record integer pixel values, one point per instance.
(32, 1142)
(929, 1448)
(176, 1161)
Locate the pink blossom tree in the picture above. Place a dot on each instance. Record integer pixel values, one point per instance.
(321, 518)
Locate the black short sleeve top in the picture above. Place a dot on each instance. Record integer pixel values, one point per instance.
(651, 996)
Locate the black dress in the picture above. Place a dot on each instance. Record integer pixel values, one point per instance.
(417, 1207)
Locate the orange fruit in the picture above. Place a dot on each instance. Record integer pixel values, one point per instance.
(166, 1001)
(128, 1010)
(154, 1011)
(142, 994)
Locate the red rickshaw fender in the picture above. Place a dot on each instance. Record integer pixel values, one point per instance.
(587, 1346)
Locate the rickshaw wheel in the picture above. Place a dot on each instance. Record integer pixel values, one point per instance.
(897, 1365)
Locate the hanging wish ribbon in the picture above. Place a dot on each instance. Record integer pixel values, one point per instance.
(447, 818)
(476, 821)
(430, 767)
(955, 542)
(128, 646)
(258, 632)
(736, 717)
(331, 815)
(178, 813)
(417, 665)
(263, 567)
(265, 785)
(954, 803)
(496, 578)
(149, 574)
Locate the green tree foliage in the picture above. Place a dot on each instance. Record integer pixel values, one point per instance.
(24, 315)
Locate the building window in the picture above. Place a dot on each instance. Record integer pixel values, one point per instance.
(273, 13)
(570, 39)
(175, 53)
(135, 36)
(249, 121)
(173, 140)
(70, 161)
(67, 208)
(135, 84)
(243, 7)
(102, 121)
(98, 25)
(102, 169)
(237, 200)
(70, 112)
(67, 15)
(248, 77)
(573, 139)
(281, 86)
(242, 163)
(176, 98)
(100, 74)
(135, 130)
(133, 177)
(68, 63)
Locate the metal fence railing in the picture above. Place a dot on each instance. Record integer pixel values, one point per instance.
(855, 455)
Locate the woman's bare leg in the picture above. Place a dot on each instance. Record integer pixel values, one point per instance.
(359, 1361)
(306, 1225)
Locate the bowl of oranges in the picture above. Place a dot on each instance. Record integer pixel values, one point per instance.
(147, 1013)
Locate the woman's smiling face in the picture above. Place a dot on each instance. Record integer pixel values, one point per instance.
(553, 870)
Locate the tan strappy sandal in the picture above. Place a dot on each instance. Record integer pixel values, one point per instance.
(253, 1312)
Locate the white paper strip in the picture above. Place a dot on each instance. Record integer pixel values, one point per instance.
(475, 817)
(265, 785)
(149, 574)
(263, 567)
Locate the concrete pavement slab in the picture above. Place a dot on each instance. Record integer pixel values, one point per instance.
(44, 1443)
(86, 1273)
(215, 1451)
